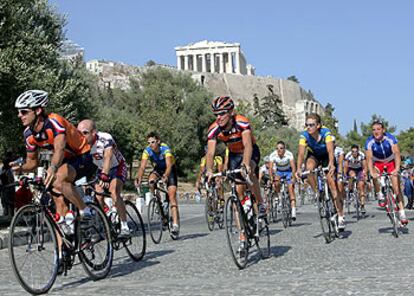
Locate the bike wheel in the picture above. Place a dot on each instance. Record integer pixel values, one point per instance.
(392, 214)
(357, 206)
(263, 240)
(236, 234)
(274, 209)
(209, 211)
(220, 214)
(33, 249)
(136, 244)
(155, 220)
(324, 218)
(285, 214)
(96, 252)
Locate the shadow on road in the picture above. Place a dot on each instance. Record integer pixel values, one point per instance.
(274, 231)
(300, 224)
(390, 230)
(278, 251)
(192, 236)
(345, 234)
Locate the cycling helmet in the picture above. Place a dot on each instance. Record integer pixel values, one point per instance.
(222, 104)
(32, 99)
(266, 158)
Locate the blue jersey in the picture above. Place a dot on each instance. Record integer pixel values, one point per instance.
(381, 150)
(158, 159)
(316, 147)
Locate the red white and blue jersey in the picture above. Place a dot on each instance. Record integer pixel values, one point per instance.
(104, 141)
(381, 150)
(233, 137)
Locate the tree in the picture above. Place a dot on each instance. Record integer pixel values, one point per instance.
(329, 120)
(293, 78)
(31, 33)
(406, 142)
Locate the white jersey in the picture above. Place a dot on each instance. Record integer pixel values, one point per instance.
(337, 153)
(282, 164)
(264, 170)
(355, 163)
(103, 141)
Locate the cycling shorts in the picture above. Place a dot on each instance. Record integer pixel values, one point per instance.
(83, 165)
(286, 174)
(381, 165)
(236, 159)
(322, 160)
(359, 173)
(172, 178)
(119, 172)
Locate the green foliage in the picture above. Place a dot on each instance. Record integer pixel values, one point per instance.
(406, 142)
(293, 78)
(30, 36)
(329, 120)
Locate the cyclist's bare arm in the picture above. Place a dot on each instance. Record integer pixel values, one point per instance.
(346, 167)
(108, 152)
(248, 147)
(169, 162)
(397, 157)
(200, 173)
(293, 166)
(331, 150)
(59, 145)
(271, 172)
(211, 150)
(370, 165)
(340, 164)
(301, 155)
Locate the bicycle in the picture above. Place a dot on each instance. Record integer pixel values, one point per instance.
(328, 217)
(244, 228)
(352, 198)
(214, 207)
(159, 218)
(271, 201)
(35, 234)
(286, 207)
(391, 207)
(135, 244)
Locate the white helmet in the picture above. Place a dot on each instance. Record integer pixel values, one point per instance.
(32, 99)
(266, 158)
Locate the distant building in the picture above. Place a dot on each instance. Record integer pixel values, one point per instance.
(213, 57)
(69, 50)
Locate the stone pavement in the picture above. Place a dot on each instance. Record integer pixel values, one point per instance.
(367, 261)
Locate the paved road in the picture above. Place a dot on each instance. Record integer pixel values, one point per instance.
(368, 261)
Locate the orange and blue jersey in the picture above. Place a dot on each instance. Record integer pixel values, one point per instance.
(54, 125)
(233, 137)
(158, 159)
(316, 147)
(381, 150)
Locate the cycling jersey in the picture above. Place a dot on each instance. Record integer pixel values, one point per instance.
(316, 147)
(381, 150)
(355, 163)
(104, 141)
(233, 137)
(337, 153)
(158, 159)
(218, 161)
(282, 164)
(264, 170)
(54, 125)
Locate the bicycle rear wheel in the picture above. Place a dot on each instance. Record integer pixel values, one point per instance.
(263, 240)
(155, 220)
(33, 249)
(236, 234)
(96, 252)
(209, 211)
(137, 242)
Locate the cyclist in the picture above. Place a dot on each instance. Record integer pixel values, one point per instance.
(382, 151)
(265, 171)
(318, 140)
(218, 167)
(282, 161)
(356, 166)
(112, 170)
(163, 161)
(71, 159)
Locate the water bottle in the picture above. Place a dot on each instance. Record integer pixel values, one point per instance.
(139, 203)
(247, 206)
(197, 197)
(165, 206)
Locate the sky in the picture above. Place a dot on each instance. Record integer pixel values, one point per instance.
(356, 55)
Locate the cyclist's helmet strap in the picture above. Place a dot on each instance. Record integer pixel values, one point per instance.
(223, 103)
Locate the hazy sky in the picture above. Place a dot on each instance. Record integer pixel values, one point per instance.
(357, 55)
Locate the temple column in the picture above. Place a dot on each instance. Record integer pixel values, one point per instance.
(237, 62)
(203, 63)
(212, 63)
(186, 62)
(179, 62)
(221, 61)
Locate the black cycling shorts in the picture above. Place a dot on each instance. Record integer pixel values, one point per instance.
(172, 178)
(236, 159)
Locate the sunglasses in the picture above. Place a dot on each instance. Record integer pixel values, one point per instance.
(23, 111)
(280, 148)
(310, 124)
(221, 113)
(152, 142)
(85, 132)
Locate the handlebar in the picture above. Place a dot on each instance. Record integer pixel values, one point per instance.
(230, 173)
(315, 171)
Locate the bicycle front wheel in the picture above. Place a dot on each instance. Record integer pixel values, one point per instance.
(155, 220)
(236, 232)
(285, 210)
(209, 211)
(95, 243)
(137, 242)
(392, 213)
(33, 249)
(324, 218)
(263, 238)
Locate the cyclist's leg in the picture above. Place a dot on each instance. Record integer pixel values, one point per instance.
(172, 195)
(291, 187)
(361, 188)
(311, 164)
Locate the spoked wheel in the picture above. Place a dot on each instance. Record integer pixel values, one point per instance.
(236, 234)
(263, 240)
(273, 208)
(324, 219)
(155, 220)
(392, 214)
(285, 211)
(95, 244)
(357, 206)
(33, 249)
(348, 202)
(209, 211)
(137, 242)
(220, 214)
